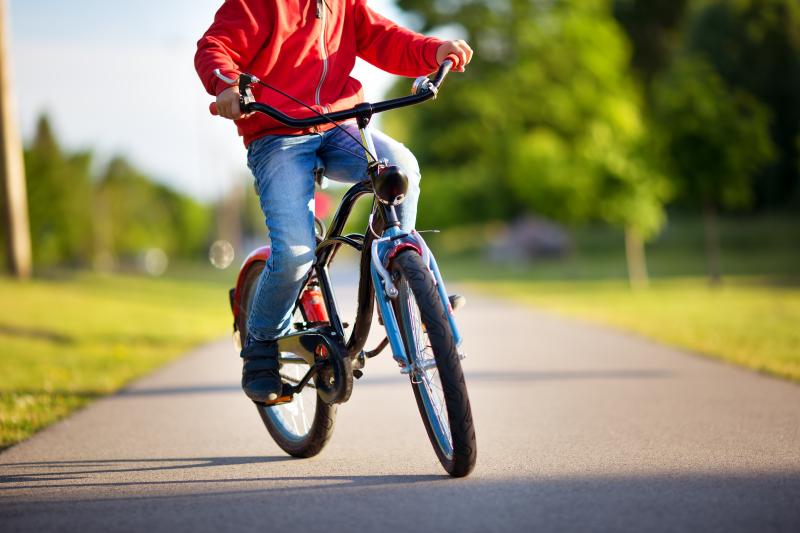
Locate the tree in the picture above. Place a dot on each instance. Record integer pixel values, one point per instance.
(717, 139)
(547, 119)
(755, 47)
(654, 28)
(137, 214)
(60, 199)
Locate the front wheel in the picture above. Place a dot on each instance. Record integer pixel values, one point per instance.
(436, 376)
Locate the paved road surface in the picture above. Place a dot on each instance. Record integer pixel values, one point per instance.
(579, 428)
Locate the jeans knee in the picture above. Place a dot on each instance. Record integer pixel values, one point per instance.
(405, 159)
(408, 162)
(290, 264)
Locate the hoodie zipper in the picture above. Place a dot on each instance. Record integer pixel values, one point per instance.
(323, 50)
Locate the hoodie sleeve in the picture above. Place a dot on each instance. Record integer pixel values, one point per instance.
(239, 30)
(391, 47)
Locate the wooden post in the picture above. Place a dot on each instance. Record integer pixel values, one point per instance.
(637, 261)
(712, 243)
(12, 168)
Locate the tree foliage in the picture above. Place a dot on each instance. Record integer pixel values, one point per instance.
(545, 119)
(74, 217)
(755, 47)
(654, 28)
(718, 137)
(138, 214)
(59, 196)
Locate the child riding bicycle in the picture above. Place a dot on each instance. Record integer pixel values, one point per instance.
(307, 49)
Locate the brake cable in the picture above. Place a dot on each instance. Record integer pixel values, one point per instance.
(326, 117)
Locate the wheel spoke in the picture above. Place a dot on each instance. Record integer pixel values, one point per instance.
(294, 416)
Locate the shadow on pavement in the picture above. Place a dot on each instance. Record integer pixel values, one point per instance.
(757, 501)
(67, 470)
(83, 474)
(168, 391)
(476, 376)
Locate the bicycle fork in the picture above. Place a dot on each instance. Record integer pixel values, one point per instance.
(383, 251)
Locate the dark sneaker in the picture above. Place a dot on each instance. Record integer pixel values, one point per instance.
(457, 302)
(261, 379)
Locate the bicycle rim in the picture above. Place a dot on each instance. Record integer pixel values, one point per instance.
(294, 420)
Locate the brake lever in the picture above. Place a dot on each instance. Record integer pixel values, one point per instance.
(218, 73)
(245, 82)
(423, 84)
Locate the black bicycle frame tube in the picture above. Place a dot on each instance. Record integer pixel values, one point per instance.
(327, 248)
(366, 299)
(325, 252)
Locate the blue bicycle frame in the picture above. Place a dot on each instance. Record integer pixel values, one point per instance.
(383, 251)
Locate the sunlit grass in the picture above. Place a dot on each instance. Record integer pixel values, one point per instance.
(750, 320)
(745, 321)
(65, 342)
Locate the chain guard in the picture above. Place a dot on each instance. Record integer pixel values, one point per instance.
(320, 347)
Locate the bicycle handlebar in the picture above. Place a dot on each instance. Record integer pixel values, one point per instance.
(423, 89)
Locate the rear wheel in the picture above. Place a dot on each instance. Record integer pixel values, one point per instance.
(303, 426)
(437, 378)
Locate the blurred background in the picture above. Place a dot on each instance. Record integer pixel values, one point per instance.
(635, 162)
(588, 139)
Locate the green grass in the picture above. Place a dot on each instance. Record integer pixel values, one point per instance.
(66, 341)
(753, 319)
(745, 321)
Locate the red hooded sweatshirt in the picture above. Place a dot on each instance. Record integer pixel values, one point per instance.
(306, 48)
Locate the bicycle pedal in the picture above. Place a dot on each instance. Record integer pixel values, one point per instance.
(278, 401)
(457, 302)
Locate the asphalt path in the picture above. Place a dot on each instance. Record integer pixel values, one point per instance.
(579, 428)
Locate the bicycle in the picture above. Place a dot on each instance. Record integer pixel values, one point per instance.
(398, 271)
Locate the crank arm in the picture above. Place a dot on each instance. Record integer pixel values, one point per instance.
(289, 390)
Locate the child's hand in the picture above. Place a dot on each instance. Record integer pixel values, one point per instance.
(460, 49)
(228, 104)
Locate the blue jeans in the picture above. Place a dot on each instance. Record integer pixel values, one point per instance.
(283, 167)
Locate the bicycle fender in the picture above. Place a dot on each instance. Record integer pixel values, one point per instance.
(259, 254)
(415, 241)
